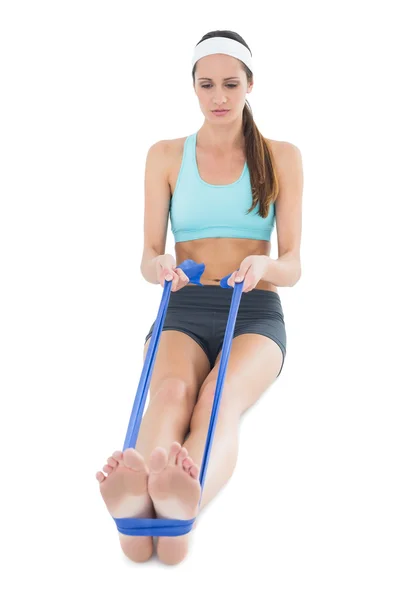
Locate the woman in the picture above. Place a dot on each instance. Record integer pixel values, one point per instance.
(228, 185)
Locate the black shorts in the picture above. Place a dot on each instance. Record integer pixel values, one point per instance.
(202, 313)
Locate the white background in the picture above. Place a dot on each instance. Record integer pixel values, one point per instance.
(312, 510)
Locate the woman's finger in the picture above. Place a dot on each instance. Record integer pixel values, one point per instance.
(183, 275)
(175, 282)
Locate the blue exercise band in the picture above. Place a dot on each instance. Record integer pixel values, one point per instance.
(175, 527)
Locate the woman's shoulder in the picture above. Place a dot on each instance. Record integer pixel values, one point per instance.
(283, 152)
(172, 151)
(166, 151)
(171, 146)
(280, 146)
(169, 154)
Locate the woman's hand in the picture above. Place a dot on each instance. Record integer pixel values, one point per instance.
(251, 270)
(166, 271)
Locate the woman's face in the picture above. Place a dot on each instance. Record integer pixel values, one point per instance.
(221, 83)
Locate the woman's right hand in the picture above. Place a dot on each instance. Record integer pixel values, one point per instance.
(166, 271)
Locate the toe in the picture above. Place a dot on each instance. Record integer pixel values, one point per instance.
(100, 477)
(158, 460)
(108, 469)
(134, 460)
(187, 463)
(112, 462)
(181, 457)
(194, 472)
(173, 453)
(118, 455)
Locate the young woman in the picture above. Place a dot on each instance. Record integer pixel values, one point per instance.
(229, 185)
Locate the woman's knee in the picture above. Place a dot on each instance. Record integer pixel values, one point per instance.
(173, 395)
(227, 413)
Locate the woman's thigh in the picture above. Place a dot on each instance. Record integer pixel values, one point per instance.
(254, 364)
(181, 365)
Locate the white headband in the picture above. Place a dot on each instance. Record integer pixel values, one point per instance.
(222, 45)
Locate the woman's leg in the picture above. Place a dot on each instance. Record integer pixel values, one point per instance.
(179, 370)
(253, 366)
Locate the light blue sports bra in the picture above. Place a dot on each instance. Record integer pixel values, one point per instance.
(201, 210)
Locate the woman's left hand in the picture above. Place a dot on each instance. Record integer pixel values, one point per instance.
(251, 270)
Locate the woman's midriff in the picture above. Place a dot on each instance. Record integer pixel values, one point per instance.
(221, 256)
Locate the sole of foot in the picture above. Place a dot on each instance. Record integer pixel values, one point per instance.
(124, 491)
(175, 490)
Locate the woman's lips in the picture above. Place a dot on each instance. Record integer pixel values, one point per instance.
(220, 112)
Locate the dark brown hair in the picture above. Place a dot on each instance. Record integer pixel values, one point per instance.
(263, 177)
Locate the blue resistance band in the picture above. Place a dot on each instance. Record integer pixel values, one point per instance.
(175, 527)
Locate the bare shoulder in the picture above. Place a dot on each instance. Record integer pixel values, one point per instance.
(159, 152)
(173, 152)
(285, 154)
(169, 151)
(171, 148)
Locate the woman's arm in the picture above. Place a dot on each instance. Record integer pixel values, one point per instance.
(156, 209)
(286, 270)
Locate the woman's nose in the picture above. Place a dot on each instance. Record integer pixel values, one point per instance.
(219, 99)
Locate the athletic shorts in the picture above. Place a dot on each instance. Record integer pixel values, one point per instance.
(202, 313)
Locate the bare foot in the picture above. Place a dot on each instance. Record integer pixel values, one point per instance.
(175, 490)
(125, 493)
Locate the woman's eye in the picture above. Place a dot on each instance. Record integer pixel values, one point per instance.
(230, 85)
